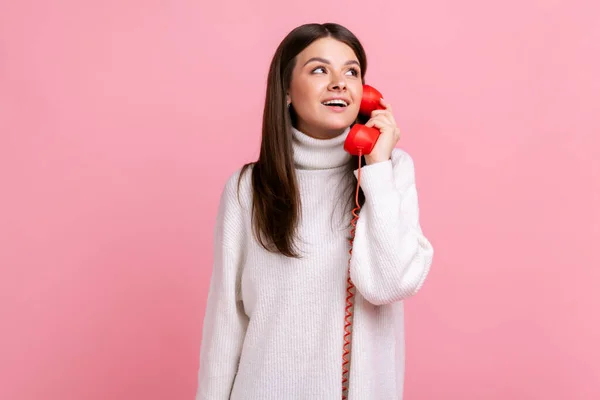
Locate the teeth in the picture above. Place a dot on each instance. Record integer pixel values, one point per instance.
(336, 102)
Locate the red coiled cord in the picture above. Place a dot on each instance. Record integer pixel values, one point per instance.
(350, 286)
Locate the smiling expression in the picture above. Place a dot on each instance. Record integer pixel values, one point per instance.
(326, 88)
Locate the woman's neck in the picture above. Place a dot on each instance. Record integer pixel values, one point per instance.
(312, 153)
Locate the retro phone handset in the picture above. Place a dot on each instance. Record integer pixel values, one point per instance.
(360, 141)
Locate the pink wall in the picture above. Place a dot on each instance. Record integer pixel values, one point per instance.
(120, 121)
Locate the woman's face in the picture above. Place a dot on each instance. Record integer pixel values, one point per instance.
(326, 70)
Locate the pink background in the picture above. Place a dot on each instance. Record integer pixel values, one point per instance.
(121, 121)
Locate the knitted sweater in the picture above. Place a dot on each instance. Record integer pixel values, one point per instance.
(274, 326)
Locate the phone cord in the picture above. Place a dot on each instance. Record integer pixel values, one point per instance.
(350, 293)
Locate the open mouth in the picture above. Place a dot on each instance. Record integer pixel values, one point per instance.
(335, 103)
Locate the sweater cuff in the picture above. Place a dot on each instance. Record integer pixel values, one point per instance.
(377, 181)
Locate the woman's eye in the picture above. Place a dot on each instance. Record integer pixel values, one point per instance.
(319, 70)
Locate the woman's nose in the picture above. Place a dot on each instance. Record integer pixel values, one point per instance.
(337, 82)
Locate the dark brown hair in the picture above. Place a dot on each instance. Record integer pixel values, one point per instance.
(275, 198)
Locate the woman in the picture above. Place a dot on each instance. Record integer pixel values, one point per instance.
(274, 323)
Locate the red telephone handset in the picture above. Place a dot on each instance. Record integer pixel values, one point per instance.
(361, 139)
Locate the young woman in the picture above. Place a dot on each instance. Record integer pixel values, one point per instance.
(275, 327)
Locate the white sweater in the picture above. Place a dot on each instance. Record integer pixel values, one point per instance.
(274, 326)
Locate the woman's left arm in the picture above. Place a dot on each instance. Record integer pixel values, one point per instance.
(390, 256)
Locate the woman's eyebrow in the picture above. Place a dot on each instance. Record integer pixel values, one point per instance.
(325, 61)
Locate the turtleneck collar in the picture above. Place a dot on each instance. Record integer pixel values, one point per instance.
(311, 153)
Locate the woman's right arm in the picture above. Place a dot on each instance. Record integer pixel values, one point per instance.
(225, 321)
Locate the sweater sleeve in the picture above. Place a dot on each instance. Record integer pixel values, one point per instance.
(390, 257)
(225, 321)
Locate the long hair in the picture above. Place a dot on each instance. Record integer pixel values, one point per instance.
(276, 204)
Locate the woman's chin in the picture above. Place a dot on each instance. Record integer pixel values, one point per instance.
(328, 127)
(338, 127)
(337, 123)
